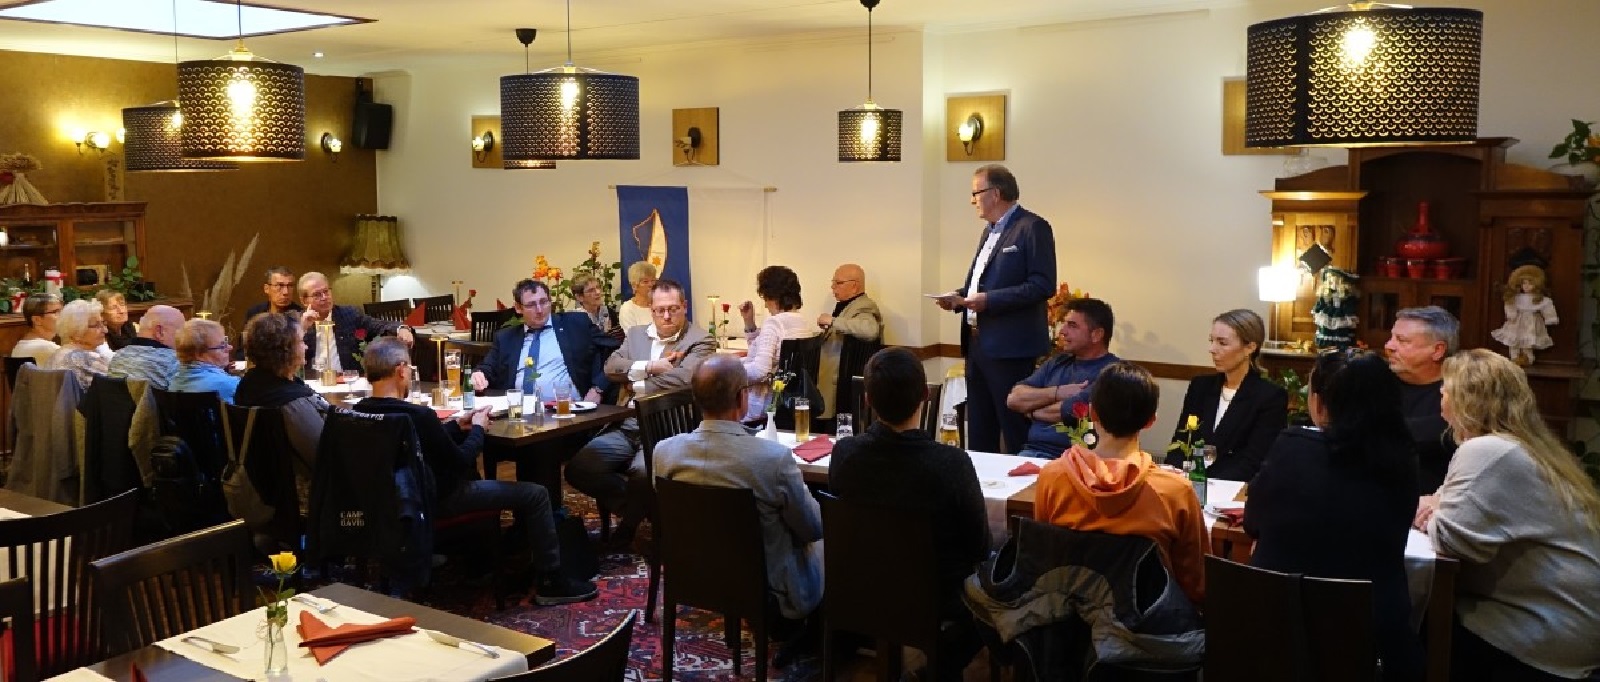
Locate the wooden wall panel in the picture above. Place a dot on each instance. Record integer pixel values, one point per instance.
(305, 211)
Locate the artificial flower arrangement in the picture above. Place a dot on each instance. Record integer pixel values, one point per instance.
(1056, 307)
(562, 298)
(1187, 446)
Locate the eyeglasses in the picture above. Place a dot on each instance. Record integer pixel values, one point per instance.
(225, 345)
(281, 285)
(541, 303)
(57, 311)
(321, 293)
(667, 310)
(837, 282)
(976, 192)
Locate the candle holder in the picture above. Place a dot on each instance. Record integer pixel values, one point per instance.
(328, 376)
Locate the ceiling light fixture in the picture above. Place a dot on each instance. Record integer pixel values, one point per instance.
(1364, 74)
(242, 108)
(209, 19)
(869, 132)
(154, 141)
(567, 112)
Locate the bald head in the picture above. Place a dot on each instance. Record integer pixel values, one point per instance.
(161, 323)
(849, 280)
(718, 384)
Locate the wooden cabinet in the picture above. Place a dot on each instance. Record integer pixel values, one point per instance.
(1489, 212)
(84, 240)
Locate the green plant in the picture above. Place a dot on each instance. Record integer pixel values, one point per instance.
(1581, 145)
(1293, 384)
(127, 280)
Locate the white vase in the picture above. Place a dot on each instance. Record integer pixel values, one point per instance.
(771, 431)
(1586, 170)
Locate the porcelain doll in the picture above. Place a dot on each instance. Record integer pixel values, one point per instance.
(1528, 313)
(1335, 309)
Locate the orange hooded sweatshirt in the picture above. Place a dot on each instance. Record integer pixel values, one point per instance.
(1132, 496)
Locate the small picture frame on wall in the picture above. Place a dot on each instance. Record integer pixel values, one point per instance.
(89, 275)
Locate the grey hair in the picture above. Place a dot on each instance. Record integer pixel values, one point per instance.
(1441, 325)
(383, 356)
(75, 318)
(307, 279)
(640, 270)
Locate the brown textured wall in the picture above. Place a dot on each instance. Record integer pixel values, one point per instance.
(303, 210)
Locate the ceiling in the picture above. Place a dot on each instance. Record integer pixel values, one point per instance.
(410, 34)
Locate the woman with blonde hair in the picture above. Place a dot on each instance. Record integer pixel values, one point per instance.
(1523, 517)
(635, 311)
(114, 308)
(1236, 410)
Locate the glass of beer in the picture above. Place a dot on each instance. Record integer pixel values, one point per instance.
(513, 404)
(452, 370)
(563, 393)
(802, 420)
(452, 394)
(949, 431)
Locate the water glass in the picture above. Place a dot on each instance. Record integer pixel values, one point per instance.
(514, 404)
(844, 426)
(349, 376)
(452, 397)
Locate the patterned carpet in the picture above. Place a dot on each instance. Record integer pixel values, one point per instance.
(700, 653)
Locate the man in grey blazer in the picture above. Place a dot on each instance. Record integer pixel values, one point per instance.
(854, 314)
(654, 358)
(721, 453)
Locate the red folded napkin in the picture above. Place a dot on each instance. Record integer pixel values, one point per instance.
(1024, 469)
(814, 449)
(326, 642)
(134, 673)
(1234, 516)
(444, 414)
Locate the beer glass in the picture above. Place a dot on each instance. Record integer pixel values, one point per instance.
(802, 420)
(949, 431)
(563, 393)
(452, 370)
(514, 404)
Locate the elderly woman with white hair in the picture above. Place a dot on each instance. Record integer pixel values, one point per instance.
(82, 330)
(635, 311)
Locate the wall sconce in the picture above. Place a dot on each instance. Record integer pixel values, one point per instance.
(332, 146)
(482, 145)
(969, 131)
(689, 144)
(95, 140)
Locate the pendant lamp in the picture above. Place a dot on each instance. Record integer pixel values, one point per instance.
(152, 141)
(525, 36)
(567, 112)
(1364, 74)
(241, 107)
(870, 132)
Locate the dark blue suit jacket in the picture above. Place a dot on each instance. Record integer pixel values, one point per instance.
(583, 346)
(346, 320)
(1019, 279)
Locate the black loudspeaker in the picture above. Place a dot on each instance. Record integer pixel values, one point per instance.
(372, 124)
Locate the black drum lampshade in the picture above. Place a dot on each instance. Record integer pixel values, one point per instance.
(153, 141)
(241, 108)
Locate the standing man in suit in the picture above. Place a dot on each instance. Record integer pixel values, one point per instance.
(1002, 307)
(566, 348)
(317, 296)
(854, 315)
(654, 358)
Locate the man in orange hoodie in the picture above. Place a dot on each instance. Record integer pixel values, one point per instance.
(1117, 488)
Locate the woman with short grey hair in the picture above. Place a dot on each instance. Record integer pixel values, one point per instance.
(82, 330)
(636, 311)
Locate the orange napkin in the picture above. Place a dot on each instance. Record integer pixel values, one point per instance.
(444, 414)
(326, 642)
(1024, 469)
(814, 449)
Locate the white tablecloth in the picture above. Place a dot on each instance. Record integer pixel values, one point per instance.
(405, 657)
(79, 675)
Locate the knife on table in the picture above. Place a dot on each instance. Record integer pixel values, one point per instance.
(452, 640)
(210, 645)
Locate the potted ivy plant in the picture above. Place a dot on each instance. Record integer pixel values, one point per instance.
(1580, 151)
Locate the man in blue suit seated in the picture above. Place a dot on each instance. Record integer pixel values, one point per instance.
(546, 351)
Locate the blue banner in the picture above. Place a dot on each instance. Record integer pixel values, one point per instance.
(653, 224)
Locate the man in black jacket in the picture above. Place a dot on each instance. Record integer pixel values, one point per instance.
(897, 465)
(452, 452)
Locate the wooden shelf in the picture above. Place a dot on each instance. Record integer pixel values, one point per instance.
(26, 247)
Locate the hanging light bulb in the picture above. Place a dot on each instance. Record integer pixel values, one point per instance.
(870, 132)
(567, 112)
(243, 108)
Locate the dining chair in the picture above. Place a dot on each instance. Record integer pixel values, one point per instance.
(388, 311)
(436, 308)
(879, 566)
(53, 552)
(108, 464)
(1266, 625)
(12, 366)
(853, 356)
(16, 605)
(803, 358)
(187, 488)
(485, 324)
(170, 587)
(930, 406)
(661, 416)
(605, 661)
(709, 539)
(44, 412)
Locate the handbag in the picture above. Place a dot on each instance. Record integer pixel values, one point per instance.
(244, 501)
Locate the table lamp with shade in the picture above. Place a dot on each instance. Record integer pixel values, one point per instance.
(1277, 284)
(376, 251)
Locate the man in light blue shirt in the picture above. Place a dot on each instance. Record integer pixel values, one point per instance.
(203, 358)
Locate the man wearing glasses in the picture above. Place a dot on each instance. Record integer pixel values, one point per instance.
(1002, 307)
(654, 358)
(854, 315)
(317, 296)
(563, 350)
(279, 289)
(203, 352)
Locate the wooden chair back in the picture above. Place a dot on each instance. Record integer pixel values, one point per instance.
(709, 539)
(606, 661)
(853, 356)
(54, 552)
(108, 465)
(173, 586)
(662, 416)
(16, 605)
(389, 311)
(1265, 625)
(803, 358)
(858, 398)
(436, 308)
(880, 566)
(486, 323)
(472, 355)
(188, 494)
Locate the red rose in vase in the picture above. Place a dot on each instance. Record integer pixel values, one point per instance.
(1080, 411)
(361, 334)
(726, 307)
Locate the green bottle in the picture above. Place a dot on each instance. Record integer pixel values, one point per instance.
(1197, 473)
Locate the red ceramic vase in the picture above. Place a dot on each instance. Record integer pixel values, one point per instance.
(1422, 242)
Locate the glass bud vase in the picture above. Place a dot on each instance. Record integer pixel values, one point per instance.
(276, 651)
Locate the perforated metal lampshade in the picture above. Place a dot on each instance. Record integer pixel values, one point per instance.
(242, 110)
(153, 142)
(870, 133)
(567, 113)
(1381, 76)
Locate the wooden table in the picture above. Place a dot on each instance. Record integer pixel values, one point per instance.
(28, 504)
(161, 665)
(545, 445)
